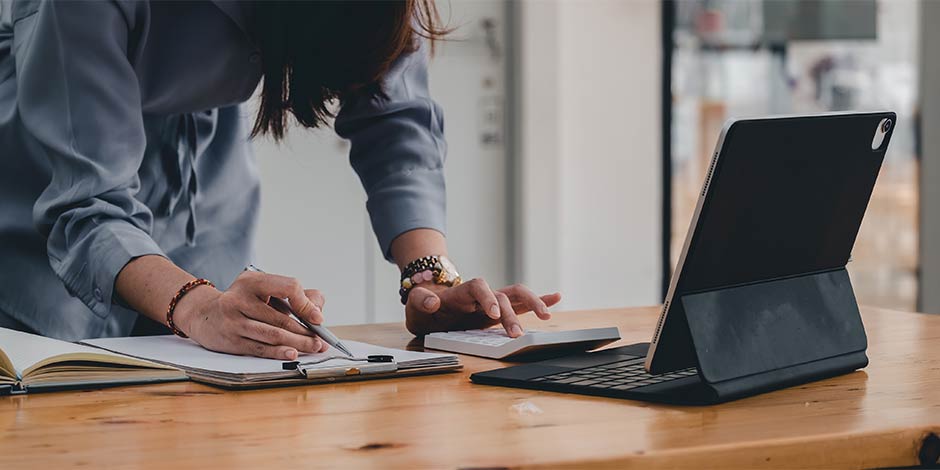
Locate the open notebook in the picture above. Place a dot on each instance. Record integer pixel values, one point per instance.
(251, 372)
(36, 363)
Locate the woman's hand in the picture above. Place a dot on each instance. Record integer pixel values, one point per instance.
(473, 305)
(240, 321)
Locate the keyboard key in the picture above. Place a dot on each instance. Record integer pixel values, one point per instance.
(585, 383)
(614, 376)
(623, 387)
(568, 380)
(619, 364)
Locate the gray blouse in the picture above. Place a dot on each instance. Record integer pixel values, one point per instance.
(122, 135)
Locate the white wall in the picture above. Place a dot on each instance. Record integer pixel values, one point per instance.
(587, 188)
(929, 71)
(468, 79)
(590, 153)
(313, 221)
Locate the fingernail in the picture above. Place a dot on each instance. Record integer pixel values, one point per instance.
(291, 354)
(516, 330)
(429, 302)
(494, 311)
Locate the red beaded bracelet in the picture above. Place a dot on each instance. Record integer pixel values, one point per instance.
(176, 299)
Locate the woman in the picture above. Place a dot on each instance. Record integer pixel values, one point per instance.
(126, 174)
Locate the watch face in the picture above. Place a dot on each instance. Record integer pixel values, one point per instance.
(449, 268)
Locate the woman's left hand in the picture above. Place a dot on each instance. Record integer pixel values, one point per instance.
(473, 305)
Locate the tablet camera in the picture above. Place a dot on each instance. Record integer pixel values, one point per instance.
(880, 133)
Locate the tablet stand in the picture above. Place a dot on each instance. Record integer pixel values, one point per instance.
(774, 334)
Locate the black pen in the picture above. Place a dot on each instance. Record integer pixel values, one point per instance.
(320, 331)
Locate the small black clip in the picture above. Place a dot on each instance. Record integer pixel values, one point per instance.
(381, 358)
(290, 365)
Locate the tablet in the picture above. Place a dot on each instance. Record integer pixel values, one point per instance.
(783, 197)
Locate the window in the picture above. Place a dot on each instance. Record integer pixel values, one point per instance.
(736, 58)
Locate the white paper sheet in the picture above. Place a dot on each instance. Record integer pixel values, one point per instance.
(25, 349)
(187, 354)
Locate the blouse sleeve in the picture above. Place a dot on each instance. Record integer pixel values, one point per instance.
(79, 102)
(398, 149)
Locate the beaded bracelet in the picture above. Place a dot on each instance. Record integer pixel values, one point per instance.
(416, 272)
(176, 299)
(436, 268)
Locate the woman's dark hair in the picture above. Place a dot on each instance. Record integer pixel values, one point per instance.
(316, 52)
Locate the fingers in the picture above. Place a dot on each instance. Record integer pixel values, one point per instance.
(475, 295)
(551, 299)
(271, 325)
(259, 349)
(423, 300)
(274, 314)
(311, 304)
(264, 286)
(471, 306)
(279, 337)
(316, 297)
(508, 316)
(524, 300)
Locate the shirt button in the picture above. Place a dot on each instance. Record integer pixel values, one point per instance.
(98, 295)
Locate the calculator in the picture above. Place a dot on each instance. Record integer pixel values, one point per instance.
(495, 343)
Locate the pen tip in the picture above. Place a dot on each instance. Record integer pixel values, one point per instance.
(343, 349)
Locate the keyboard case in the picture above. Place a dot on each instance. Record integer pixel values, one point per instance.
(744, 341)
(761, 298)
(755, 338)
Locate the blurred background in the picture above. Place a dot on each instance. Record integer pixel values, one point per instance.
(579, 132)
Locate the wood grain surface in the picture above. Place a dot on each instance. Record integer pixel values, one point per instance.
(877, 417)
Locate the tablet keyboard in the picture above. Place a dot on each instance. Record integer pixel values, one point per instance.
(622, 375)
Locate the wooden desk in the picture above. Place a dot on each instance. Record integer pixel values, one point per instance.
(874, 418)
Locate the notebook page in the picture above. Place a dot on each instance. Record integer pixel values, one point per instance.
(187, 354)
(25, 349)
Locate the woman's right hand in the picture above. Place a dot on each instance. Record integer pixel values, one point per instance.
(240, 320)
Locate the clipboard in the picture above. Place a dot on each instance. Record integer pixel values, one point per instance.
(241, 372)
(295, 381)
(368, 368)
